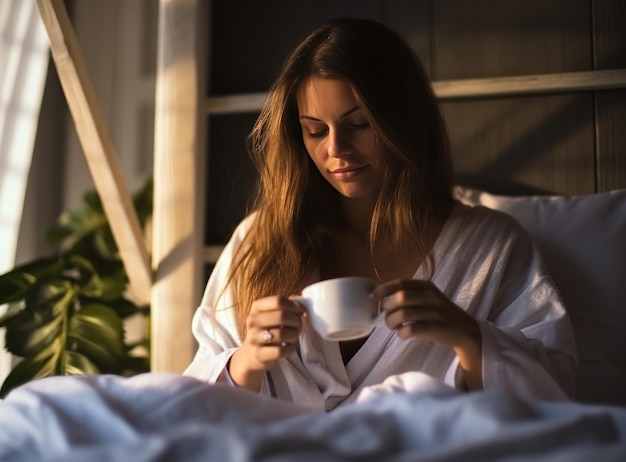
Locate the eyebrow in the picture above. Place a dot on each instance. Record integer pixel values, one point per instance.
(345, 114)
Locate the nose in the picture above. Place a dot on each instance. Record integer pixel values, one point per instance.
(338, 144)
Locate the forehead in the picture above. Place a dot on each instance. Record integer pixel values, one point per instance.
(324, 97)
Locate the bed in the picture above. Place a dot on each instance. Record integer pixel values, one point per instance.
(165, 417)
(157, 417)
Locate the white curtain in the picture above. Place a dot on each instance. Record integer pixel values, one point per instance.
(23, 65)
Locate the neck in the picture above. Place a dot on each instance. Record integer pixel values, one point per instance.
(358, 213)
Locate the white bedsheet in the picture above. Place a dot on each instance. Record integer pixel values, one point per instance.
(157, 417)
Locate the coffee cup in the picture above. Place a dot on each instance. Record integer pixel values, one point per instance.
(341, 308)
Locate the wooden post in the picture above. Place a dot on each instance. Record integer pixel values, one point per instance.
(98, 147)
(178, 218)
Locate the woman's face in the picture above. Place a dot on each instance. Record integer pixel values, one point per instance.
(338, 137)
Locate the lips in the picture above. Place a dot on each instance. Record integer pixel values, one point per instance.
(347, 173)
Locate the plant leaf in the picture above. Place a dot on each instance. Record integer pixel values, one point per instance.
(77, 364)
(16, 283)
(41, 321)
(105, 288)
(97, 332)
(12, 310)
(125, 308)
(64, 314)
(30, 335)
(109, 282)
(76, 224)
(143, 201)
(28, 369)
(91, 200)
(83, 264)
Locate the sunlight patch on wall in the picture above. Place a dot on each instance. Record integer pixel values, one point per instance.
(23, 66)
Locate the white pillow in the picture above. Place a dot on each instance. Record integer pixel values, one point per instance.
(583, 241)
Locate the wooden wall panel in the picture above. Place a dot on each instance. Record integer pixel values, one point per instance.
(250, 40)
(536, 142)
(230, 175)
(609, 30)
(491, 38)
(517, 145)
(611, 139)
(412, 20)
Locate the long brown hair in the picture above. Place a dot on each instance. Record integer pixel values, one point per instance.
(296, 209)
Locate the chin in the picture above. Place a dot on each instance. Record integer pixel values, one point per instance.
(356, 190)
(356, 194)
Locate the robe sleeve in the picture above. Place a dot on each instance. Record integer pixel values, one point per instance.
(523, 366)
(528, 346)
(213, 324)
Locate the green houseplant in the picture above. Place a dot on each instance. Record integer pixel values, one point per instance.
(65, 314)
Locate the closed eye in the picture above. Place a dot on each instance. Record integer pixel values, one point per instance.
(317, 134)
(314, 130)
(361, 125)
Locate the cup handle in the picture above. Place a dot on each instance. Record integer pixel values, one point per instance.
(303, 302)
(380, 317)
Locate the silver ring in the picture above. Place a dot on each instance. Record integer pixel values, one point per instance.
(266, 336)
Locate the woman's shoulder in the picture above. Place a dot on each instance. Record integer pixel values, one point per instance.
(241, 230)
(243, 227)
(478, 234)
(487, 223)
(246, 223)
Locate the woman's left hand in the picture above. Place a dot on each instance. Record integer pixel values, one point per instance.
(417, 308)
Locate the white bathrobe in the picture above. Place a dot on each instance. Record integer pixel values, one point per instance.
(484, 262)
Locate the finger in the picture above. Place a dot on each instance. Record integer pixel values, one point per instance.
(425, 298)
(424, 329)
(275, 336)
(387, 288)
(274, 319)
(271, 354)
(401, 316)
(275, 303)
(274, 312)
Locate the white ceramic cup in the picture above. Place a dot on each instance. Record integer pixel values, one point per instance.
(341, 308)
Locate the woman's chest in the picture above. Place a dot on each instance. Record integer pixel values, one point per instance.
(353, 258)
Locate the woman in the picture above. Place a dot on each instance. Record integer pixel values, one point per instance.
(355, 180)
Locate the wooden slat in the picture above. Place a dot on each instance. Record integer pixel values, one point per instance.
(467, 88)
(98, 147)
(212, 253)
(531, 84)
(178, 192)
(250, 102)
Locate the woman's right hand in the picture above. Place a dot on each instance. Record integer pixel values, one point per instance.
(272, 330)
